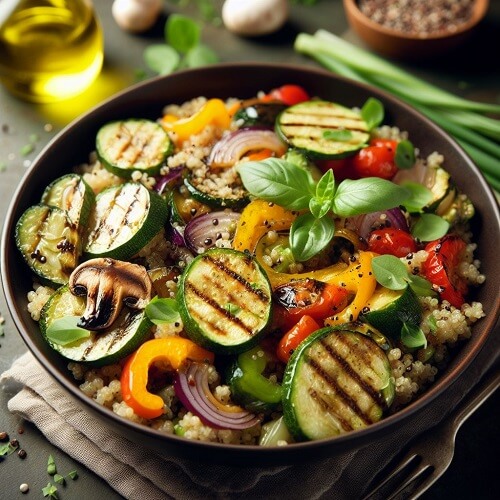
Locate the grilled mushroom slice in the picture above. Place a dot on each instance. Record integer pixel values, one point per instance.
(108, 284)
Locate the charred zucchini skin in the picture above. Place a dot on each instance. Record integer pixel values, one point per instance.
(224, 300)
(327, 389)
(134, 144)
(302, 127)
(214, 201)
(130, 329)
(49, 242)
(105, 224)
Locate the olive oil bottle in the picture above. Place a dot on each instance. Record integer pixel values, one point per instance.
(49, 49)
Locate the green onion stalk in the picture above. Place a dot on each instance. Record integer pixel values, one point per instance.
(462, 118)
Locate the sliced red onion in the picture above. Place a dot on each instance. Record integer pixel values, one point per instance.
(169, 179)
(366, 223)
(176, 235)
(420, 173)
(192, 389)
(203, 231)
(235, 145)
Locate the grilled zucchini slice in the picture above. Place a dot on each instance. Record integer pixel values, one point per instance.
(225, 301)
(49, 242)
(128, 145)
(335, 382)
(322, 129)
(125, 218)
(73, 194)
(126, 333)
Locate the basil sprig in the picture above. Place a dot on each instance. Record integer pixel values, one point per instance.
(162, 311)
(292, 186)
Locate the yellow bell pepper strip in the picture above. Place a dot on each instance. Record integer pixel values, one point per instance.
(258, 218)
(357, 278)
(213, 112)
(173, 350)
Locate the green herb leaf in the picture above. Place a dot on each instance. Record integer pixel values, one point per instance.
(404, 156)
(182, 33)
(420, 196)
(339, 135)
(59, 479)
(161, 58)
(51, 466)
(6, 449)
(162, 310)
(413, 337)
(73, 474)
(430, 227)
(50, 491)
(321, 204)
(232, 309)
(309, 235)
(278, 181)
(421, 286)
(390, 272)
(432, 322)
(362, 196)
(201, 55)
(372, 112)
(64, 331)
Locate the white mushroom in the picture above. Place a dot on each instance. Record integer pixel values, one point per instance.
(254, 17)
(136, 16)
(107, 284)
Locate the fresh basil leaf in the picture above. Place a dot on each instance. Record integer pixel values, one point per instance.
(162, 310)
(161, 59)
(182, 33)
(421, 286)
(278, 181)
(390, 272)
(363, 196)
(201, 55)
(420, 196)
(404, 156)
(339, 135)
(372, 112)
(321, 203)
(64, 331)
(319, 208)
(430, 227)
(413, 337)
(309, 235)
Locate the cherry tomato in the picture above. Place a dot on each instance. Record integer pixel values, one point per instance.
(376, 160)
(391, 241)
(440, 268)
(308, 297)
(289, 342)
(342, 168)
(289, 94)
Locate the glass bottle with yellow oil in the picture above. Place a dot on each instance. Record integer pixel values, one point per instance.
(49, 49)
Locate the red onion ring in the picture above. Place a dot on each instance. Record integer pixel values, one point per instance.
(192, 389)
(366, 223)
(233, 146)
(203, 231)
(163, 181)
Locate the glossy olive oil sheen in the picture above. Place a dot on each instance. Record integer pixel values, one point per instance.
(49, 49)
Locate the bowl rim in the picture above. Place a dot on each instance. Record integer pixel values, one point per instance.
(274, 454)
(479, 9)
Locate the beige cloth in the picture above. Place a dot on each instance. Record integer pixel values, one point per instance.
(137, 472)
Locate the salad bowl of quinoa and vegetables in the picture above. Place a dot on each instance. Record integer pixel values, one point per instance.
(253, 259)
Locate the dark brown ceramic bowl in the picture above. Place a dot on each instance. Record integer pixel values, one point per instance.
(409, 46)
(72, 147)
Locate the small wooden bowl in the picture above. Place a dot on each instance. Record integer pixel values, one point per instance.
(411, 46)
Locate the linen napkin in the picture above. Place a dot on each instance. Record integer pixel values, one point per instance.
(137, 472)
